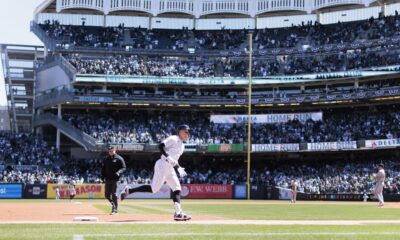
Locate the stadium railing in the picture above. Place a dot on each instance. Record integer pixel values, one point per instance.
(41, 34)
(84, 139)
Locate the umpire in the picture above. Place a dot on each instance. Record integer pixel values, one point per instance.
(113, 167)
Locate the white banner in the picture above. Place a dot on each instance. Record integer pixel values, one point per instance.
(236, 81)
(285, 193)
(289, 147)
(323, 146)
(165, 192)
(382, 143)
(267, 118)
(134, 147)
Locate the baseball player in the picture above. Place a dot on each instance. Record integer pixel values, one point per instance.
(293, 195)
(113, 167)
(165, 171)
(72, 190)
(57, 193)
(380, 181)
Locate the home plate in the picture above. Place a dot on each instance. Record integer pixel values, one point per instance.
(78, 203)
(86, 219)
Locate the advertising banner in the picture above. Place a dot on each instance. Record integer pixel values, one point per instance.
(82, 191)
(240, 192)
(35, 191)
(207, 191)
(213, 148)
(190, 147)
(257, 192)
(131, 147)
(288, 147)
(225, 148)
(8, 190)
(382, 143)
(95, 99)
(323, 146)
(266, 118)
(284, 193)
(237, 147)
(235, 81)
(165, 192)
(333, 197)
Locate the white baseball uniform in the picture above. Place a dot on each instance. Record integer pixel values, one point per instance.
(380, 180)
(293, 196)
(72, 190)
(57, 193)
(163, 170)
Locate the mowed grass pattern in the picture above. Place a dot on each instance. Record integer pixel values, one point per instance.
(190, 231)
(255, 210)
(229, 209)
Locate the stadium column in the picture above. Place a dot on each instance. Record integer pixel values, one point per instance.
(249, 114)
(58, 130)
(383, 7)
(356, 83)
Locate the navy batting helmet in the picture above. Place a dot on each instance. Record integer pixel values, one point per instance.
(183, 127)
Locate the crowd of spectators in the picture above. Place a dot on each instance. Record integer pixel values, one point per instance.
(138, 66)
(40, 176)
(26, 149)
(313, 177)
(153, 127)
(84, 36)
(337, 177)
(139, 126)
(335, 126)
(227, 67)
(306, 34)
(172, 92)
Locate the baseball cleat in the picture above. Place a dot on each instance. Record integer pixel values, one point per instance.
(124, 193)
(182, 217)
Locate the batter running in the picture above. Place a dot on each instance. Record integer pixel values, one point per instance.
(165, 171)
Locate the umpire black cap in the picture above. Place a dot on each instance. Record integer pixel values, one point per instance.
(183, 127)
(111, 148)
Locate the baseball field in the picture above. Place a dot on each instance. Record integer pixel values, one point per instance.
(212, 219)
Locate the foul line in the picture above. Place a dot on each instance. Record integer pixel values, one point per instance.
(82, 236)
(226, 222)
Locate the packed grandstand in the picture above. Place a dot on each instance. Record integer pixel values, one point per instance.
(336, 84)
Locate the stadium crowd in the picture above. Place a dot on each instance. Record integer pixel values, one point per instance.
(338, 177)
(227, 67)
(152, 127)
(313, 177)
(306, 34)
(138, 66)
(26, 149)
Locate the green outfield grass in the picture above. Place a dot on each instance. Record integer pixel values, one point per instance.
(190, 231)
(229, 209)
(255, 210)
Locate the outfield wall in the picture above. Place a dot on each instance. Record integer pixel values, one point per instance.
(189, 191)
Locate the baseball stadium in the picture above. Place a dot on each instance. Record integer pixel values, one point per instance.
(200, 119)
